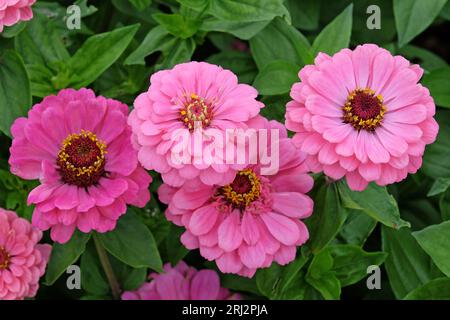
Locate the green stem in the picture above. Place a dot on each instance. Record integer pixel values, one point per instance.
(106, 264)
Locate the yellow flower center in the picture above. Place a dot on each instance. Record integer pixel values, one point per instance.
(245, 189)
(363, 109)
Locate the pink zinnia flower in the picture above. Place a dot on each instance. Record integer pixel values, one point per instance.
(22, 259)
(13, 11)
(189, 96)
(79, 146)
(181, 283)
(250, 222)
(362, 114)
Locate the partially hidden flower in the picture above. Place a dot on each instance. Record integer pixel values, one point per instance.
(13, 11)
(252, 221)
(79, 147)
(197, 99)
(181, 283)
(22, 258)
(362, 115)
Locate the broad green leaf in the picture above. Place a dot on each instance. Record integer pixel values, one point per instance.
(304, 14)
(93, 279)
(132, 243)
(275, 107)
(241, 30)
(40, 42)
(247, 10)
(141, 4)
(444, 205)
(238, 283)
(336, 35)
(440, 185)
(175, 250)
(276, 77)
(15, 94)
(282, 282)
(435, 241)
(438, 81)
(64, 255)
(327, 218)
(181, 51)
(98, 53)
(374, 201)
(350, 262)
(407, 265)
(198, 5)
(425, 58)
(158, 39)
(11, 32)
(178, 25)
(241, 63)
(445, 12)
(357, 227)
(123, 6)
(280, 41)
(321, 276)
(433, 164)
(414, 16)
(437, 289)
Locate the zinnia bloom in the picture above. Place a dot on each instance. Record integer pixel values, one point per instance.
(251, 222)
(362, 114)
(13, 11)
(22, 259)
(188, 97)
(181, 283)
(79, 147)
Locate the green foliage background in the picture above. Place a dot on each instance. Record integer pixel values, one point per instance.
(404, 228)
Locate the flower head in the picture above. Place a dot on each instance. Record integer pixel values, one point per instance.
(79, 146)
(195, 98)
(181, 283)
(22, 259)
(253, 220)
(362, 115)
(13, 11)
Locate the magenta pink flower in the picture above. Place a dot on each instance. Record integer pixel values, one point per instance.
(181, 283)
(191, 95)
(22, 259)
(79, 147)
(362, 114)
(13, 11)
(251, 222)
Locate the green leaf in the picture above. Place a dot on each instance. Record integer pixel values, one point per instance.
(276, 77)
(241, 63)
(407, 265)
(141, 4)
(123, 6)
(241, 30)
(305, 13)
(181, 51)
(425, 58)
(433, 166)
(158, 39)
(194, 4)
(238, 283)
(437, 289)
(93, 279)
(11, 32)
(321, 276)
(132, 243)
(435, 241)
(15, 94)
(247, 10)
(176, 251)
(327, 218)
(178, 25)
(98, 53)
(374, 201)
(414, 16)
(357, 227)
(439, 186)
(350, 262)
(438, 81)
(336, 35)
(444, 205)
(64, 255)
(280, 41)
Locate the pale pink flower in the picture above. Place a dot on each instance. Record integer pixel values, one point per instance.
(22, 259)
(13, 11)
(251, 222)
(79, 147)
(191, 95)
(181, 283)
(362, 115)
